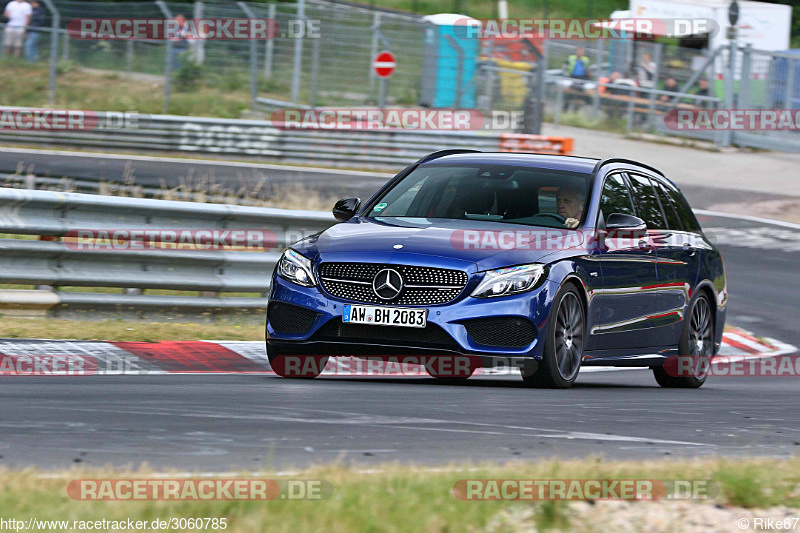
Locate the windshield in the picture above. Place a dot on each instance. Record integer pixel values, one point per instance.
(511, 194)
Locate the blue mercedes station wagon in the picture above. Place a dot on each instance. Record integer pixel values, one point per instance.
(546, 263)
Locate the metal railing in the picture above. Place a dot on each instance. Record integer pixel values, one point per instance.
(60, 262)
(258, 138)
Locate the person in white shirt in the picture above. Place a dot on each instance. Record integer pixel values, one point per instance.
(18, 13)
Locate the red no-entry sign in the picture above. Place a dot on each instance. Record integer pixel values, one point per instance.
(384, 64)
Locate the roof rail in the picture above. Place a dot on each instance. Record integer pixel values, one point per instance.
(442, 153)
(604, 162)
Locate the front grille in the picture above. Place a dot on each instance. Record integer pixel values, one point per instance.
(506, 332)
(422, 285)
(287, 318)
(431, 336)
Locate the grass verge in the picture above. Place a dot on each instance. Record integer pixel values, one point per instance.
(404, 498)
(128, 330)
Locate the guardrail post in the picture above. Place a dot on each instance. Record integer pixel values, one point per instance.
(54, 26)
(298, 52)
(270, 46)
(253, 59)
(167, 60)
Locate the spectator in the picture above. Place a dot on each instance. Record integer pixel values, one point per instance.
(180, 44)
(32, 41)
(18, 13)
(578, 64)
(702, 88)
(620, 84)
(647, 71)
(670, 86)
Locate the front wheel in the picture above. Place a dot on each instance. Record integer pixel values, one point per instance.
(696, 345)
(295, 366)
(563, 347)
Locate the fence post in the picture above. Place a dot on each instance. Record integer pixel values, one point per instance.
(373, 51)
(167, 59)
(253, 60)
(55, 23)
(629, 121)
(744, 80)
(129, 55)
(314, 71)
(656, 73)
(729, 81)
(65, 47)
(270, 44)
(787, 102)
(298, 52)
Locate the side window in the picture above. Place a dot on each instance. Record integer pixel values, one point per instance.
(647, 206)
(668, 204)
(615, 198)
(684, 211)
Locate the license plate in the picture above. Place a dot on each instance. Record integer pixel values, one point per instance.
(385, 316)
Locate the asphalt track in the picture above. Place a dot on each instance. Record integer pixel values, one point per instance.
(227, 422)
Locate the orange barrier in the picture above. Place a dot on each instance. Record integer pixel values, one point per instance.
(541, 144)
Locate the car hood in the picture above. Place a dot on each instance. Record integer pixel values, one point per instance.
(464, 244)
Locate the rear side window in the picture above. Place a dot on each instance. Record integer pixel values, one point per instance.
(668, 204)
(647, 206)
(683, 210)
(616, 198)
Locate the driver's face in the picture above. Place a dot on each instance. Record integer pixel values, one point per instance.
(569, 205)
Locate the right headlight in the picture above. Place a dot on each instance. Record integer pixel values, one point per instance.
(295, 268)
(512, 280)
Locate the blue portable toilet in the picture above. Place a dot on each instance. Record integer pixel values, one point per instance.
(449, 62)
(780, 79)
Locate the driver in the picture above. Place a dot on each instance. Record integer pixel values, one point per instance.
(569, 204)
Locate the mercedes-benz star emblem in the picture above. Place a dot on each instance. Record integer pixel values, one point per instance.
(387, 284)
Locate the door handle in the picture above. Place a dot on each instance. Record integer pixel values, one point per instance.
(689, 248)
(645, 245)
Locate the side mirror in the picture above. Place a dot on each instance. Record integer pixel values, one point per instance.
(619, 221)
(346, 208)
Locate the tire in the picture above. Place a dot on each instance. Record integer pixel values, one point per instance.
(564, 343)
(697, 340)
(305, 367)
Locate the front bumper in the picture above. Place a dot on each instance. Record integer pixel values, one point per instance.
(447, 330)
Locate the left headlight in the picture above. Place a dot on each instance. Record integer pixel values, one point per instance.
(296, 268)
(512, 280)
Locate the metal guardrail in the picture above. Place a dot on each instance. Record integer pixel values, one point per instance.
(261, 139)
(55, 263)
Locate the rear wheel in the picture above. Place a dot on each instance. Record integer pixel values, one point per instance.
(295, 366)
(697, 342)
(563, 348)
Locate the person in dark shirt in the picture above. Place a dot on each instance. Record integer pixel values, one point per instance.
(670, 85)
(34, 32)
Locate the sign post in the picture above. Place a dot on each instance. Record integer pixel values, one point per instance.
(383, 64)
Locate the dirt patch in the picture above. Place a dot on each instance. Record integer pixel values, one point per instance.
(654, 517)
